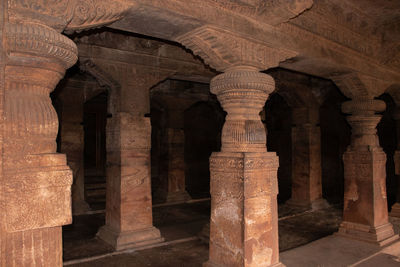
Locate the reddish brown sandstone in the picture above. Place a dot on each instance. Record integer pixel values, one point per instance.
(365, 214)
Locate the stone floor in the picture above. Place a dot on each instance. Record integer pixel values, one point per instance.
(179, 225)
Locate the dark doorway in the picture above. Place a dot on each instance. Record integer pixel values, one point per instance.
(94, 120)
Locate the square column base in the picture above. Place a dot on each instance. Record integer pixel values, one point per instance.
(130, 239)
(381, 235)
(395, 212)
(317, 204)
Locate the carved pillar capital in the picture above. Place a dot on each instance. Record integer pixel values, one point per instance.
(362, 89)
(242, 92)
(363, 121)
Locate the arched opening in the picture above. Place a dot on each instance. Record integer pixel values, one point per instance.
(94, 125)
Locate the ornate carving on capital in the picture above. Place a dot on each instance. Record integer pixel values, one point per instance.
(95, 13)
(363, 122)
(222, 49)
(68, 14)
(242, 92)
(363, 106)
(41, 41)
(358, 85)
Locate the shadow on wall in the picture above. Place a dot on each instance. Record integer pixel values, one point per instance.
(278, 119)
(335, 138)
(203, 125)
(388, 140)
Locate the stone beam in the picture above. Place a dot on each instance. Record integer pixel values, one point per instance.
(146, 53)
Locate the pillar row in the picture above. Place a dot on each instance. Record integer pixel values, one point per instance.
(365, 215)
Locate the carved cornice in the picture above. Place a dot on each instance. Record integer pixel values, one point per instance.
(68, 14)
(40, 41)
(101, 77)
(222, 49)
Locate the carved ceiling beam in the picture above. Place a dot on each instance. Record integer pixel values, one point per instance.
(67, 14)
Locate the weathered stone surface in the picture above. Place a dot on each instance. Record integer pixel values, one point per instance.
(365, 214)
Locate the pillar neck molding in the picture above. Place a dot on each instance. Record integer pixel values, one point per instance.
(363, 121)
(242, 93)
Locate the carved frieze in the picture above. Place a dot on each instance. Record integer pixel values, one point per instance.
(68, 14)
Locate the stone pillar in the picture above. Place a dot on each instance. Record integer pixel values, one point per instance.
(306, 159)
(243, 227)
(35, 180)
(176, 180)
(129, 217)
(365, 215)
(244, 216)
(395, 212)
(72, 143)
(176, 166)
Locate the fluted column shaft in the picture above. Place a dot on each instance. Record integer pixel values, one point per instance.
(365, 215)
(244, 225)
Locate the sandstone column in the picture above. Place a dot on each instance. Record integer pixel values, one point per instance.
(365, 215)
(395, 212)
(35, 179)
(306, 159)
(244, 223)
(305, 96)
(176, 166)
(129, 220)
(72, 143)
(176, 188)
